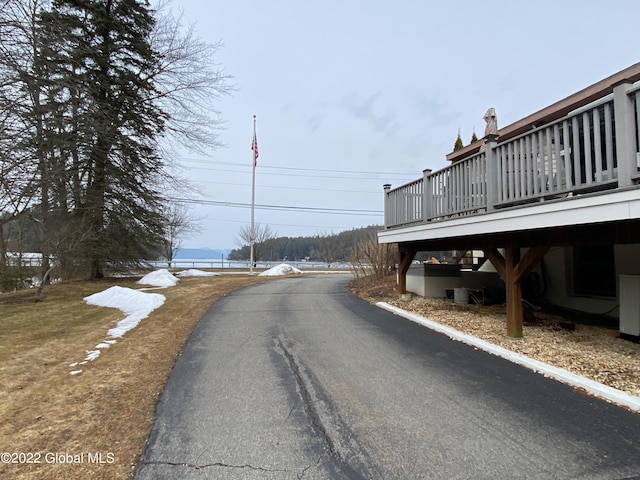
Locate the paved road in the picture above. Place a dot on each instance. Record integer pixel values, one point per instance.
(297, 378)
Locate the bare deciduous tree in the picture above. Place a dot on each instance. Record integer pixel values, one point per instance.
(263, 234)
(189, 81)
(180, 223)
(19, 145)
(373, 259)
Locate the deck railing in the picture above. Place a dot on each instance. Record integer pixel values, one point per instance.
(592, 148)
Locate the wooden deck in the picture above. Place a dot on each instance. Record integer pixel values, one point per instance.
(567, 174)
(593, 148)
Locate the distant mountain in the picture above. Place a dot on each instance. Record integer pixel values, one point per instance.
(201, 253)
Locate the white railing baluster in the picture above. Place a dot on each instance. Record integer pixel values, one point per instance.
(558, 166)
(588, 169)
(577, 168)
(608, 139)
(501, 166)
(522, 169)
(535, 161)
(567, 155)
(515, 172)
(548, 167)
(531, 183)
(597, 145)
(470, 179)
(511, 187)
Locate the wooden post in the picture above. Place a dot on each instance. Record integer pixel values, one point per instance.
(387, 207)
(406, 255)
(491, 157)
(513, 271)
(625, 135)
(515, 316)
(427, 195)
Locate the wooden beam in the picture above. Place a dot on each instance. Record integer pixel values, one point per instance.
(529, 262)
(515, 315)
(497, 260)
(513, 271)
(406, 254)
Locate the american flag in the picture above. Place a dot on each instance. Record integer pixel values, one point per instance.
(254, 147)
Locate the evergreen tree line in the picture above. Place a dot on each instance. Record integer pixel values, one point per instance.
(318, 248)
(92, 92)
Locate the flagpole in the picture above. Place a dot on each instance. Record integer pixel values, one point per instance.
(254, 157)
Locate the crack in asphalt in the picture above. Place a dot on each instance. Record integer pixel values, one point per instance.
(216, 464)
(299, 474)
(302, 473)
(309, 404)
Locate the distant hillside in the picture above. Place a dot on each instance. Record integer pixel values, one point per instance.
(201, 253)
(330, 248)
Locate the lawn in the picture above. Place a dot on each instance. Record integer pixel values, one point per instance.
(95, 424)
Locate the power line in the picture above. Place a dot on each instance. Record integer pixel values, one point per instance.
(342, 177)
(289, 208)
(300, 169)
(297, 225)
(291, 188)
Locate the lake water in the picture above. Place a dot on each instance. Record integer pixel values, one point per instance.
(238, 264)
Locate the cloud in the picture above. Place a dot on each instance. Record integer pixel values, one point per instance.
(365, 110)
(434, 110)
(315, 121)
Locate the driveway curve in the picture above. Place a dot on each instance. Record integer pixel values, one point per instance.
(298, 378)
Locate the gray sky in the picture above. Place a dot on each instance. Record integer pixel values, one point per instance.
(352, 94)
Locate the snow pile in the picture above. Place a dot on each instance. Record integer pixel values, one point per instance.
(282, 269)
(197, 273)
(159, 278)
(135, 304)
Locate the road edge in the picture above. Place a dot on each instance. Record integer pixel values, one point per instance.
(592, 387)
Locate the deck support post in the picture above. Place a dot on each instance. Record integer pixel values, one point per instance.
(406, 256)
(513, 271)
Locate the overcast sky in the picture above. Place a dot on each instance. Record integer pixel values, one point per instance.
(352, 94)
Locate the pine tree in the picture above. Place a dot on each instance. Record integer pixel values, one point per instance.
(100, 51)
(458, 145)
(474, 137)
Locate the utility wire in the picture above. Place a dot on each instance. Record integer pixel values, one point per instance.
(300, 169)
(290, 188)
(327, 211)
(342, 177)
(297, 225)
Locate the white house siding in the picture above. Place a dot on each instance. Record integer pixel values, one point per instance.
(558, 266)
(557, 271)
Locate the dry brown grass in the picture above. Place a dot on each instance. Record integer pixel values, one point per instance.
(109, 408)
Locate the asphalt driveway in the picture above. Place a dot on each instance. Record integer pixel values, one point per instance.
(298, 378)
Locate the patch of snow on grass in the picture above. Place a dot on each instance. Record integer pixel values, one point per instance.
(282, 269)
(197, 273)
(159, 278)
(92, 355)
(135, 304)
